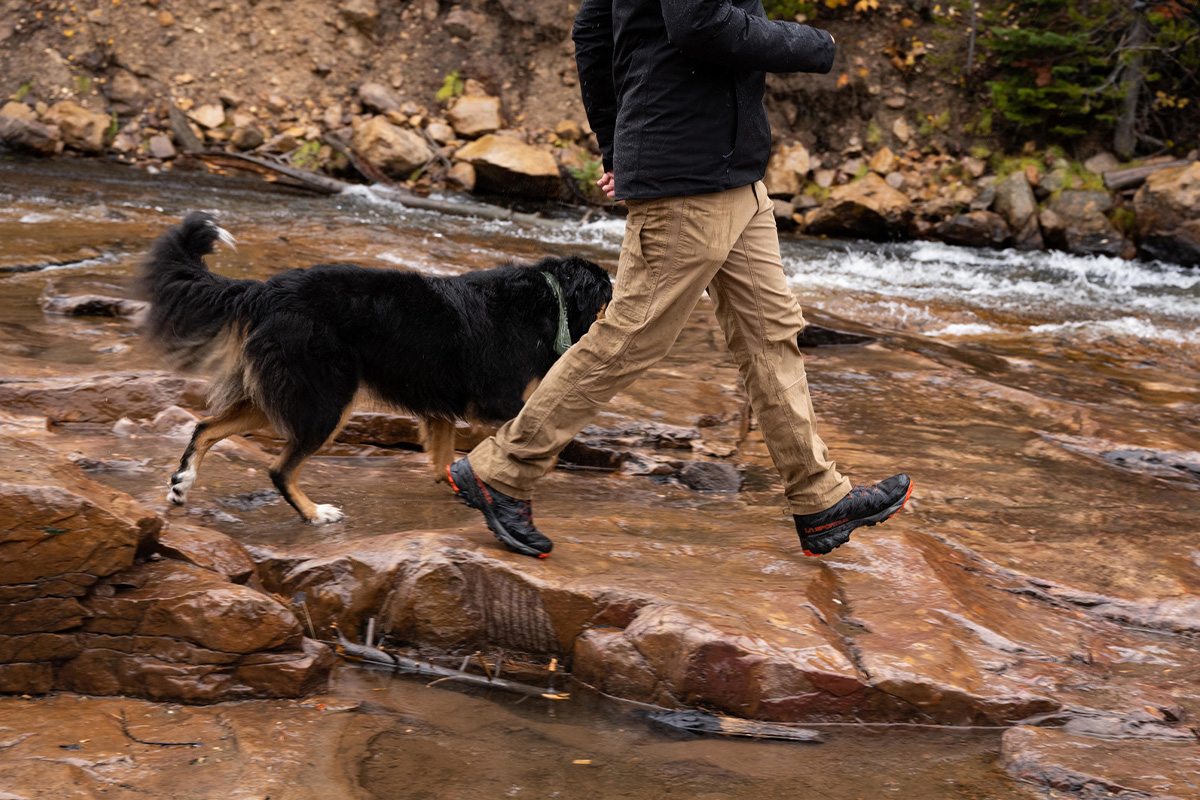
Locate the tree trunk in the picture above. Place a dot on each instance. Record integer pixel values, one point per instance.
(1125, 137)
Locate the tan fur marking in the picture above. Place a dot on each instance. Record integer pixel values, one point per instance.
(291, 491)
(236, 421)
(600, 313)
(437, 439)
(529, 389)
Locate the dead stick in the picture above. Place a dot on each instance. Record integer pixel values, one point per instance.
(125, 730)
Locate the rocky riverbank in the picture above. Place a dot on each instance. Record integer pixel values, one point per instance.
(481, 98)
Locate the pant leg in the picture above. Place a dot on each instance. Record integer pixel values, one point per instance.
(761, 317)
(671, 250)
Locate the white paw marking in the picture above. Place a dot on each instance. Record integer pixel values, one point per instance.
(181, 482)
(326, 514)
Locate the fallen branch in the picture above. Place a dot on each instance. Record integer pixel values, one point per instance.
(273, 170)
(1119, 180)
(373, 655)
(700, 722)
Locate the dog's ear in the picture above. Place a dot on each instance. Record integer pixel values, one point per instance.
(587, 289)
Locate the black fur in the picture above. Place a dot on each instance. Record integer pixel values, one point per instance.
(307, 339)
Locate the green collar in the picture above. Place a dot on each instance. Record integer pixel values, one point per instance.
(562, 341)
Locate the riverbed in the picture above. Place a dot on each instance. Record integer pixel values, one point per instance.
(1047, 572)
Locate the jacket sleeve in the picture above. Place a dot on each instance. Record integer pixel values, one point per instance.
(718, 31)
(593, 35)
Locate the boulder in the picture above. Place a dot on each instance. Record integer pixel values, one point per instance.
(206, 549)
(787, 171)
(30, 136)
(976, 229)
(18, 110)
(474, 116)
(1016, 203)
(1168, 215)
(461, 176)
(1076, 222)
(82, 130)
(377, 97)
(397, 151)
(867, 208)
(507, 165)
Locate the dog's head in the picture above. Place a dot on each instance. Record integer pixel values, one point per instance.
(587, 290)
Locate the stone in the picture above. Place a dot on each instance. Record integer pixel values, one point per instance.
(161, 147)
(206, 549)
(883, 162)
(209, 115)
(461, 176)
(18, 111)
(867, 208)
(975, 229)
(92, 305)
(901, 130)
(711, 476)
(1078, 224)
(784, 212)
(440, 132)
(58, 524)
(1015, 201)
(397, 151)
(82, 130)
(787, 170)
(1088, 766)
(166, 19)
(247, 137)
(975, 167)
(507, 165)
(825, 177)
(378, 97)
(463, 23)
(1102, 162)
(895, 180)
(569, 130)
(1168, 224)
(1051, 182)
(362, 14)
(984, 200)
(30, 136)
(102, 398)
(475, 116)
(125, 92)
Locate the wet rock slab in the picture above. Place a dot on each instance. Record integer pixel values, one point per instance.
(1091, 767)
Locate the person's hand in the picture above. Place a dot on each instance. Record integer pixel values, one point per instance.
(607, 184)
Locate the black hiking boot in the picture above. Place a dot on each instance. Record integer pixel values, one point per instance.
(820, 533)
(510, 519)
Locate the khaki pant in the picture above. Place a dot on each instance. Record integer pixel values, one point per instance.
(674, 249)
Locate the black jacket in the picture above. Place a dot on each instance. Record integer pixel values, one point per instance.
(674, 88)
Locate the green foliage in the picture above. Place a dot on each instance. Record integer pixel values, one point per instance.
(113, 127)
(1124, 219)
(23, 91)
(587, 175)
(789, 9)
(452, 86)
(874, 133)
(305, 155)
(83, 84)
(1058, 66)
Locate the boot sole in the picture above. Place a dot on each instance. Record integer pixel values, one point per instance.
(866, 522)
(472, 496)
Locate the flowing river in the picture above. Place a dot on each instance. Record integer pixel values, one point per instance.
(1047, 405)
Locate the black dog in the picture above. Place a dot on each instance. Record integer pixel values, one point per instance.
(291, 352)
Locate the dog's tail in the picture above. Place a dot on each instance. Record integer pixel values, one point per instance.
(191, 309)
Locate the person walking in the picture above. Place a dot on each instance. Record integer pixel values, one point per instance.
(674, 91)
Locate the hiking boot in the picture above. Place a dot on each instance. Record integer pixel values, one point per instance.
(820, 533)
(510, 519)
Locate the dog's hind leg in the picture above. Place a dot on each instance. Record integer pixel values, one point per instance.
(239, 419)
(437, 439)
(287, 466)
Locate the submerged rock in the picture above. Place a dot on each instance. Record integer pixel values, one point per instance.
(102, 398)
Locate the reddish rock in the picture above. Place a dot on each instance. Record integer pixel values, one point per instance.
(1087, 766)
(1168, 223)
(81, 129)
(181, 601)
(206, 549)
(475, 116)
(102, 398)
(507, 165)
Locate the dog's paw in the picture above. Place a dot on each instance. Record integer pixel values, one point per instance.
(180, 483)
(325, 514)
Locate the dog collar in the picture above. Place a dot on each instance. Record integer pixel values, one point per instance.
(562, 341)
